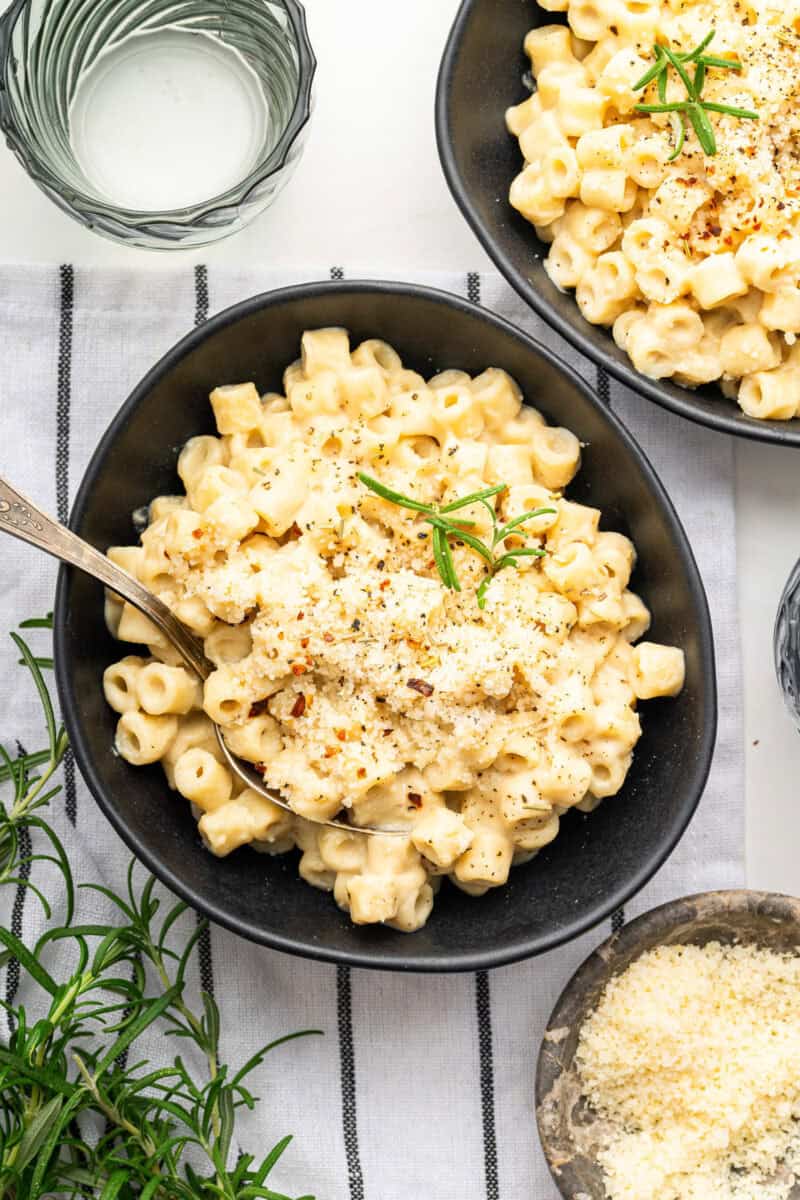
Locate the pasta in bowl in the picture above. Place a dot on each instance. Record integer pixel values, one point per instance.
(598, 859)
(411, 625)
(668, 190)
(481, 161)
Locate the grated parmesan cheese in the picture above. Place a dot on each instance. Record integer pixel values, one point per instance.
(692, 1061)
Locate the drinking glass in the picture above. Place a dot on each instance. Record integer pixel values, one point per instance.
(158, 123)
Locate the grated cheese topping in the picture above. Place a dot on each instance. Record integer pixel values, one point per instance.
(692, 1061)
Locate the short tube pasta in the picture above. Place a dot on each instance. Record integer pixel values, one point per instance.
(355, 681)
(689, 250)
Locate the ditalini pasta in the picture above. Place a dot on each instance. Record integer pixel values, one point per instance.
(672, 208)
(362, 662)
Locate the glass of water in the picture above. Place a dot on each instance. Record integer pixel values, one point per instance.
(159, 123)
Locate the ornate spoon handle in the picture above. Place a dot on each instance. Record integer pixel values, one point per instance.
(22, 519)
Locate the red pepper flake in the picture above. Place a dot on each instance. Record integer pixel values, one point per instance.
(197, 533)
(257, 709)
(260, 767)
(298, 669)
(385, 583)
(300, 616)
(304, 643)
(420, 685)
(361, 772)
(341, 735)
(330, 751)
(387, 732)
(299, 706)
(327, 637)
(415, 800)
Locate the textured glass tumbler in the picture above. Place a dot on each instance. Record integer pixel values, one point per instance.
(240, 70)
(787, 644)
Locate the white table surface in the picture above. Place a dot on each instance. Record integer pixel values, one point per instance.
(369, 191)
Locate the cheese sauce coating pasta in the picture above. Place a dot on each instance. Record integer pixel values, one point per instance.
(695, 262)
(346, 669)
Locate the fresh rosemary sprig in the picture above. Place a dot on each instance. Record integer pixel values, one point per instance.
(693, 108)
(444, 527)
(81, 1113)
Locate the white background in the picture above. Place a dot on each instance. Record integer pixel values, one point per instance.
(369, 192)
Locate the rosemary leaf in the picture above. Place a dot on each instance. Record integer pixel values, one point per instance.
(451, 567)
(444, 528)
(744, 114)
(656, 69)
(679, 133)
(442, 565)
(693, 107)
(510, 526)
(484, 494)
(724, 64)
(62, 1075)
(386, 493)
(475, 543)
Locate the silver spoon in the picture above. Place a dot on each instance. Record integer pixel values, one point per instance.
(22, 519)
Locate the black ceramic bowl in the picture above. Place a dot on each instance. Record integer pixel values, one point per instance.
(483, 72)
(569, 1131)
(597, 862)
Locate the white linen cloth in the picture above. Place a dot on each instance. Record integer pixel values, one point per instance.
(422, 1088)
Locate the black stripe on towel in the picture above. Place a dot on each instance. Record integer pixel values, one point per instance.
(474, 287)
(205, 958)
(18, 907)
(200, 294)
(603, 386)
(205, 954)
(64, 391)
(344, 1010)
(347, 1055)
(63, 402)
(70, 791)
(617, 920)
(483, 1005)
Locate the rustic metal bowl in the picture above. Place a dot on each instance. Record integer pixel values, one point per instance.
(569, 1130)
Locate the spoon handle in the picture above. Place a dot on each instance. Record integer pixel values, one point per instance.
(22, 519)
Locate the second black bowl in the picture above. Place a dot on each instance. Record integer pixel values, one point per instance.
(598, 861)
(482, 74)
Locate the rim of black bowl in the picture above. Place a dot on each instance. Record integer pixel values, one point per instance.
(730, 419)
(468, 961)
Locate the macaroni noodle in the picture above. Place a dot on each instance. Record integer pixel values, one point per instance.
(346, 670)
(694, 259)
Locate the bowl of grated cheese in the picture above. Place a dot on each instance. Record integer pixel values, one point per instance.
(670, 1067)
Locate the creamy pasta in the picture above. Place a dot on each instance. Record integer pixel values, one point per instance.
(692, 257)
(345, 668)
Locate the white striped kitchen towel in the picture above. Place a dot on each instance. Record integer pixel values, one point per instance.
(422, 1088)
